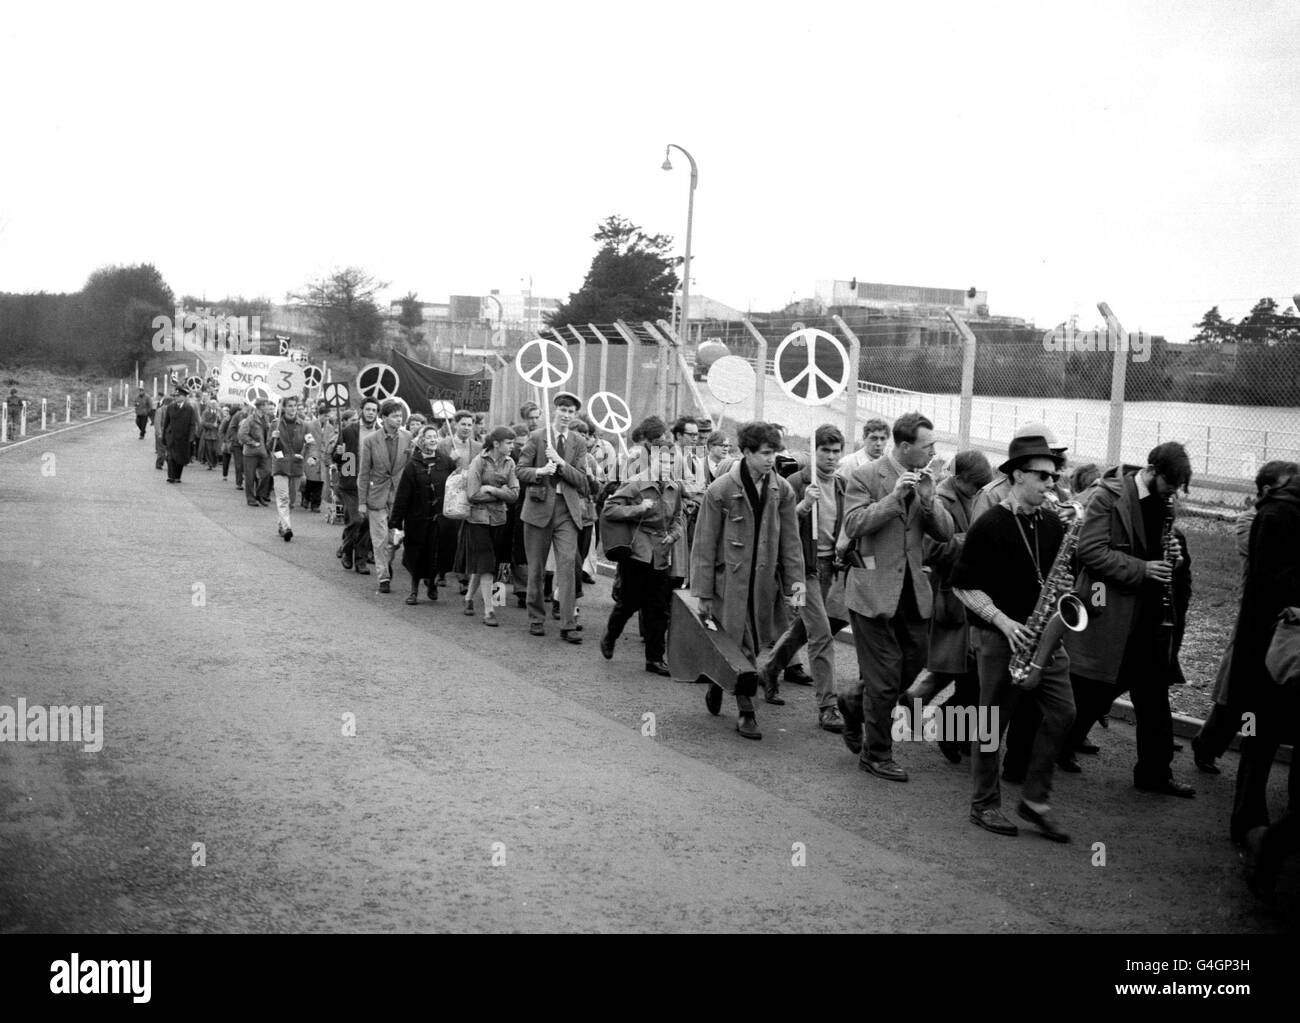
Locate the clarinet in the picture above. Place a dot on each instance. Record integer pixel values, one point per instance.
(1172, 553)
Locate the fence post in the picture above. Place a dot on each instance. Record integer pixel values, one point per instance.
(760, 369)
(632, 346)
(4, 425)
(22, 423)
(969, 345)
(581, 389)
(1118, 371)
(683, 368)
(604, 356)
(90, 403)
(851, 396)
(108, 406)
(43, 421)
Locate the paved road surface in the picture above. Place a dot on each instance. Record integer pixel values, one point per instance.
(224, 726)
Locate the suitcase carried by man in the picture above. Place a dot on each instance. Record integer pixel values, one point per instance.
(699, 651)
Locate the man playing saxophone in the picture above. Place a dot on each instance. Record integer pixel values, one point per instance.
(1008, 556)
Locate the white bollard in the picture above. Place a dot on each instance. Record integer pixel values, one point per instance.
(90, 403)
(67, 415)
(22, 423)
(155, 388)
(108, 404)
(4, 425)
(43, 425)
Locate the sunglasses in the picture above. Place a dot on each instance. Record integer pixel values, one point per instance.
(1044, 475)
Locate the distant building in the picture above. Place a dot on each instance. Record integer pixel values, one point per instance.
(902, 298)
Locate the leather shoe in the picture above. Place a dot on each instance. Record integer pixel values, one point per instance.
(772, 695)
(657, 668)
(991, 819)
(413, 598)
(360, 567)
(1069, 765)
(1044, 822)
(829, 720)
(571, 635)
(1203, 762)
(536, 629)
(385, 586)
(1168, 787)
(347, 560)
(886, 769)
(796, 675)
(607, 647)
(747, 725)
(713, 698)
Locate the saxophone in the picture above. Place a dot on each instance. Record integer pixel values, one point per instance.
(1057, 608)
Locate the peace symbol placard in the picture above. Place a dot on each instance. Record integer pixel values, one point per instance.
(377, 380)
(731, 379)
(609, 412)
(193, 383)
(336, 395)
(443, 409)
(818, 388)
(544, 363)
(313, 375)
(258, 392)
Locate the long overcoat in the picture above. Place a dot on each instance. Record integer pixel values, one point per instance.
(739, 567)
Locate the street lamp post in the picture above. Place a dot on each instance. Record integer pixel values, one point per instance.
(684, 332)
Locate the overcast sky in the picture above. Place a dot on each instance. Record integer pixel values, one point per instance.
(1055, 155)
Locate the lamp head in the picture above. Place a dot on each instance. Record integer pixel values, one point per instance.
(667, 163)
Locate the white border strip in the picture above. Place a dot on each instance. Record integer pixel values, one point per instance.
(65, 429)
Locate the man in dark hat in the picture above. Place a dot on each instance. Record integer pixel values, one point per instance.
(999, 574)
(180, 428)
(552, 513)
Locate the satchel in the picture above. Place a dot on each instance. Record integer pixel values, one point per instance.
(616, 537)
(1283, 657)
(455, 499)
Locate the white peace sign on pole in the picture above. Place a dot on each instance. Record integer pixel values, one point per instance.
(377, 380)
(610, 413)
(809, 336)
(546, 372)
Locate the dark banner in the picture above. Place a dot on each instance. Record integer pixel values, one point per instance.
(420, 385)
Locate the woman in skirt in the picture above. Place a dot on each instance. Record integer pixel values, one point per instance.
(491, 486)
(416, 509)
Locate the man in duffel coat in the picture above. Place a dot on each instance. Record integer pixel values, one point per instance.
(747, 552)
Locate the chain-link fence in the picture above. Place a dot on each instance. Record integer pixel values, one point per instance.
(1233, 407)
